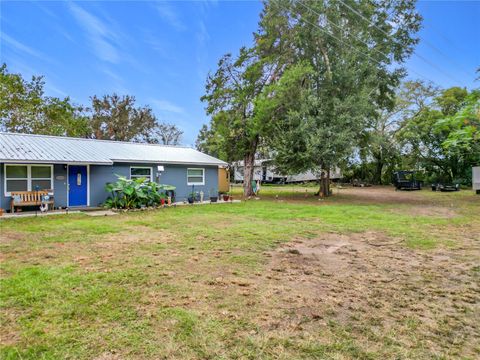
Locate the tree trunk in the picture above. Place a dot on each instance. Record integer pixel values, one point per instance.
(378, 172)
(328, 183)
(248, 167)
(324, 189)
(321, 190)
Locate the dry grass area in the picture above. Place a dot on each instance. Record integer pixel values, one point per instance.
(367, 274)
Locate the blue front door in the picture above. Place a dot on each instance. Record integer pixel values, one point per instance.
(77, 186)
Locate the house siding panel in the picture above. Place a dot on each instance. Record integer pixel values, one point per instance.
(177, 175)
(3, 200)
(172, 175)
(100, 175)
(60, 185)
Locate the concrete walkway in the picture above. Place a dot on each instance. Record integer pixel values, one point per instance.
(99, 211)
(207, 203)
(33, 214)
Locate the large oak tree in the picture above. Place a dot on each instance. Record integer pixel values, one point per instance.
(345, 70)
(355, 69)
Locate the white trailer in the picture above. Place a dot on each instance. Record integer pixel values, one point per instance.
(265, 172)
(476, 179)
(312, 176)
(261, 172)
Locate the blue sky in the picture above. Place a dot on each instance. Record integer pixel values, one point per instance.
(161, 52)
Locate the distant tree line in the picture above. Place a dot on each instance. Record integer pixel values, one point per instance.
(25, 108)
(434, 131)
(322, 88)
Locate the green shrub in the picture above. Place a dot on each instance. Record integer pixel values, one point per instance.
(133, 193)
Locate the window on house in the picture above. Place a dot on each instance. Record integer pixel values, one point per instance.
(141, 172)
(195, 176)
(41, 177)
(16, 178)
(27, 178)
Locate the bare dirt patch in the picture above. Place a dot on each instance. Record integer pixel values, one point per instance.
(371, 284)
(415, 203)
(90, 255)
(8, 237)
(383, 195)
(435, 211)
(11, 335)
(108, 356)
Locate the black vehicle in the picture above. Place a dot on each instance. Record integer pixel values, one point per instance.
(445, 187)
(405, 180)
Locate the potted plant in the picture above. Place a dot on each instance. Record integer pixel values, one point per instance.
(226, 197)
(163, 198)
(191, 197)
(213, 198)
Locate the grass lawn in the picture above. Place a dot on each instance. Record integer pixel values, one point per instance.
(367, 274)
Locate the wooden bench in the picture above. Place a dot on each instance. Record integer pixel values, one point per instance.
(29, 198)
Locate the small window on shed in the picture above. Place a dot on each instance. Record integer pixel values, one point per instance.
(195, 176)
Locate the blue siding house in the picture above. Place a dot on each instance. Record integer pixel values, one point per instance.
(76, 170)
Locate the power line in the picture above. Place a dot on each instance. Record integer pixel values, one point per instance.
(339, 27)
(386, 33)
(450, 59)
(361, 52)
(368, 56)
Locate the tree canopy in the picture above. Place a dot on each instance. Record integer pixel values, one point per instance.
(167, 134)
(25, 108)
(230, 97)
(115, 117)
(342, 70)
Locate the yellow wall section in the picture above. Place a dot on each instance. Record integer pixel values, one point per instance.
(223, 180)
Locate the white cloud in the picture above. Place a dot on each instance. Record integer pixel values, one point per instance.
(101, 37)
(202, 37)
(168, 14)
(167, 106)
(53, 89)
(20, 47)
(112, 74)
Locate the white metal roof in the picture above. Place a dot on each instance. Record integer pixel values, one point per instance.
(58, 149)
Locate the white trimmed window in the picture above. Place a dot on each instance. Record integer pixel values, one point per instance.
(137, 172)
(27, 178)
(195, 176)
